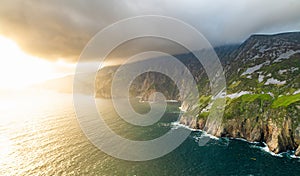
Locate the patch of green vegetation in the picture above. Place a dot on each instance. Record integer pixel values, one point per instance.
(249, 105)
(253, 97)
(228, 101)
(204, 99)
(203, 115)
(234, 84)
(285, 101)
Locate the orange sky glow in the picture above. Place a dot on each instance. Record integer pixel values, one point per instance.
(19, 70)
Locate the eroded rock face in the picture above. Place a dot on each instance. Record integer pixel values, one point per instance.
(256, 132)
(278, 137)
(189, 121)
(297, 153)
(255, 118)
(271, 132)
(201, 123)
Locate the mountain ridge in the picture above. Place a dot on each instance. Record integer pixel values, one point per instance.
(263, 88)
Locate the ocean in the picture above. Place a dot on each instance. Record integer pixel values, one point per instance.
(40, 135)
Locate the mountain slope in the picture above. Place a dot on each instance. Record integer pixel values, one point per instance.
(263, 91)
(263, 95)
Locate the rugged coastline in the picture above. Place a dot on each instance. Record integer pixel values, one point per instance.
(263, 91)
(278, 137)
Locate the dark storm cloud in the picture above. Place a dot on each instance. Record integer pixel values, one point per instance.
(60, 28)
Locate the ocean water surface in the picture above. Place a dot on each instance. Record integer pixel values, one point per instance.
(40, 135)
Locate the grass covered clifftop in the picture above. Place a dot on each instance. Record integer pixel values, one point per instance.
(258, 118)
(263, 90)
(263, 93)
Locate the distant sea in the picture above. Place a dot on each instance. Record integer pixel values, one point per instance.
(40, 135)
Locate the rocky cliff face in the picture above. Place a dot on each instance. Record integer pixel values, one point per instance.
(279, 136)
(150, 82)
(263, 91)
(263, 97)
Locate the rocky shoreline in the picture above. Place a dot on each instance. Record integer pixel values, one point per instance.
(278, 138)
(262, 92)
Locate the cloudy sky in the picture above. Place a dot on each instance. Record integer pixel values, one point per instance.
(59, 29)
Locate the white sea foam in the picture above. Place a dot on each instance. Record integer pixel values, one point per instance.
(244, 140)
(210, 136)
(294, 156)
(266, 149)
(176, 125)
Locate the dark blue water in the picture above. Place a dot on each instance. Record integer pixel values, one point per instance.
(48, 141)
(218, 157)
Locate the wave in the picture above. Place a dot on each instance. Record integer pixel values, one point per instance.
(266, 149)
(176, 125)
(263, 148)
(294, 156)
(244, 140)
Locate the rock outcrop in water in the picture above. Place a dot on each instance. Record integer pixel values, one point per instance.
(263, 91)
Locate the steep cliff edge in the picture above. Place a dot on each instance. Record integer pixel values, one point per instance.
(263, 91)
(263, 94)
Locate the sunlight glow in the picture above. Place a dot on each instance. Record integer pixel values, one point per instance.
(5, 147)
(18, 69)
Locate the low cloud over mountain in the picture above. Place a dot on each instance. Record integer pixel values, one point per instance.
(60, 29)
